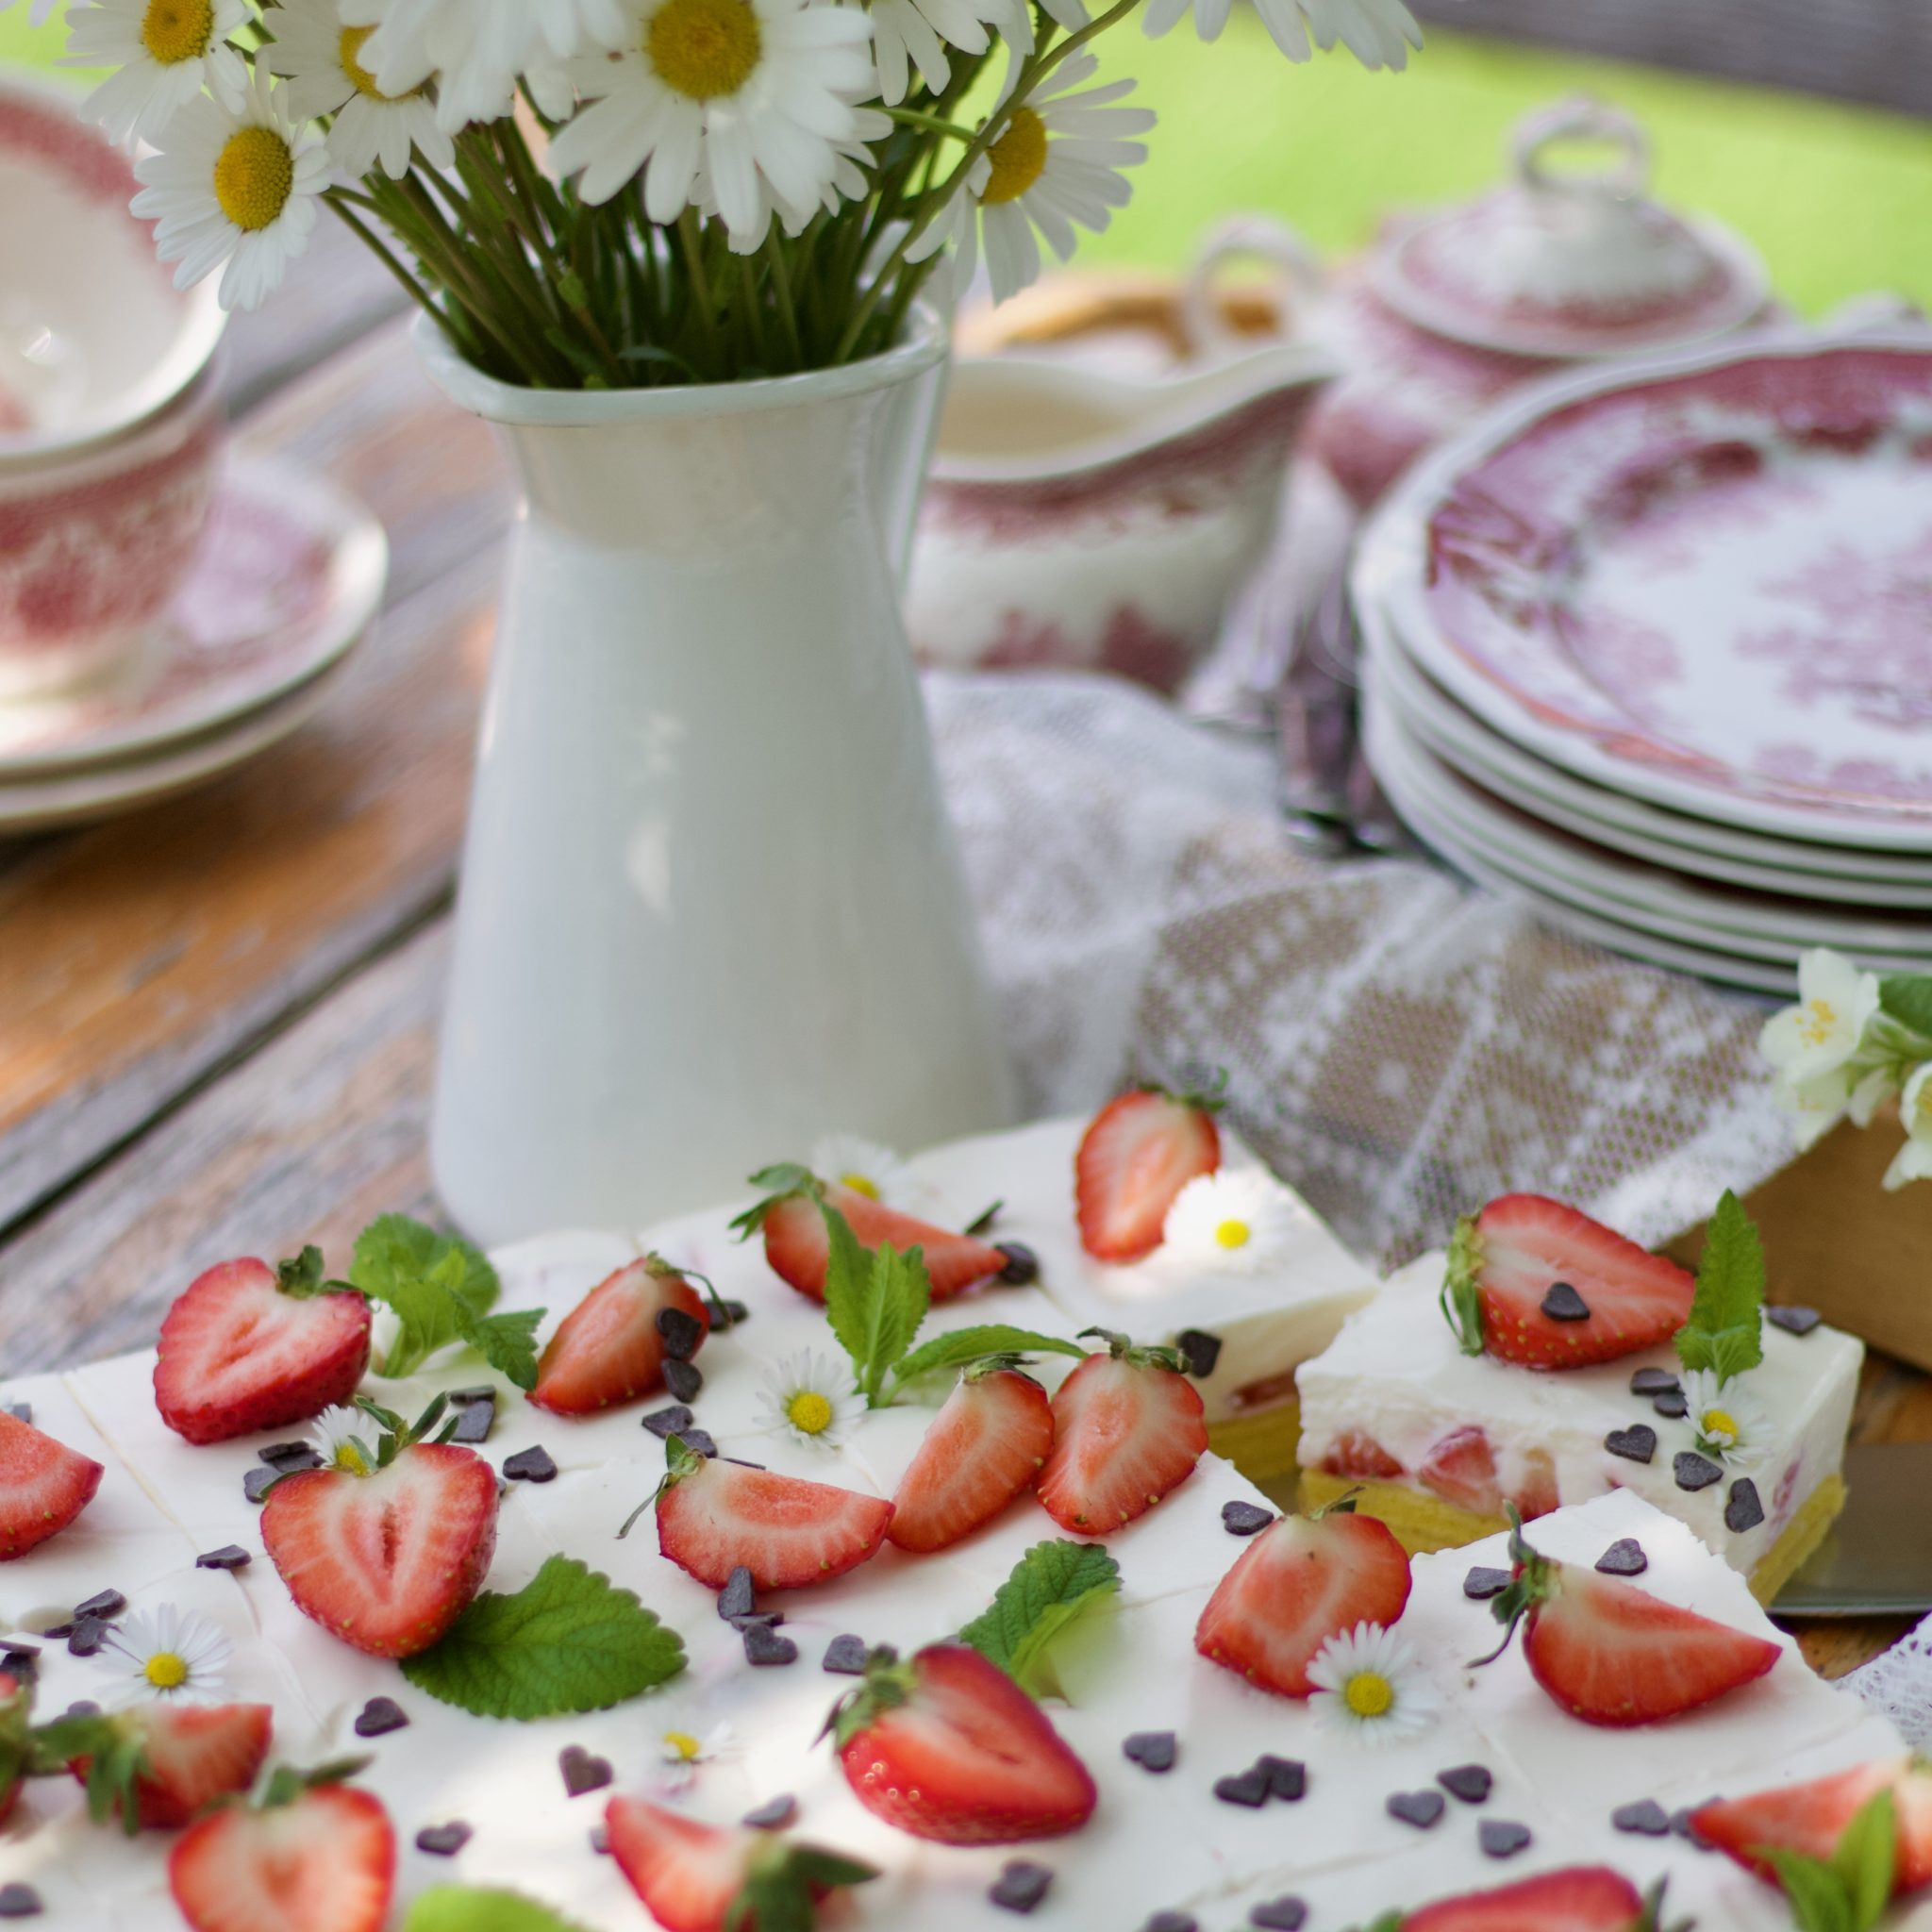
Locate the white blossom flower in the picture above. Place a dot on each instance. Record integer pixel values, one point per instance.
(1239, 1220)
(168, 1652)
(682, 1752)
(1055, 166)
(235, 186)
(753, 95)
(342, 1438)
(320, 58)
(165, 52)
(1913, 1161)
(813, 1397)
(854, 1162)
(1369, 1685)
(1727, 1419)
(1821, 1036)
(1378, 33)
(916, 33)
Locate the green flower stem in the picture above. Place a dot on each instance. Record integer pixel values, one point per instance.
(908, 117)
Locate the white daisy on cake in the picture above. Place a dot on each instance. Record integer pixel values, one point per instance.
(813, 1397)
(320, 59)
(1729, 1421)
(165, 53)
(681, 1753)
(168, 1652)
(341, 1437)
(234, 188)
(754, 95)
(1378, 33)
(864, 1166)
(1056, 167)
(1239, 1220)
(1913, 1161)
(1369, 1685)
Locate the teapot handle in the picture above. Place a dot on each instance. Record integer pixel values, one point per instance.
(1302, 278)
(1581, 118)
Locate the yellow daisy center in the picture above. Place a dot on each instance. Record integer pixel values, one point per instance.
(349, 52)
(165, 1670)
(1719, 1421)
(255, 175)
(704, 48)
(1233, 1234)
(1818, 1022)
(176, 30)
(808, 1412)
(686, 1748)
(860, 1184)
(349, 1457)
(1369, 1693)
(1018, 157)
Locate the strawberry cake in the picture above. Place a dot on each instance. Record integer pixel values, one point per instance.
(775, 1574)
(1546, 1361)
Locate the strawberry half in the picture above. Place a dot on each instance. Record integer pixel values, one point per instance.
(16, 1751)
(1613, 1654)
(1461, 1468)
(43, 1486)
(1140, 1151)
(1534, 1282)
(610, 1349)
(1582, 1898)
(384, 1550)
(248, 1347)
(1128, 1426)
(948, 1747)
(1301, 1581)
(155, 1765)
(1812, 1818)
(715, 1517)
(792, 1218)
(988, 1444)
(698, 1877)
(314, 1858)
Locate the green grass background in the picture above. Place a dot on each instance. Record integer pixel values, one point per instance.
(1838, 197)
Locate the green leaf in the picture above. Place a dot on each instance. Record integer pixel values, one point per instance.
(1866, 1859)
(874, 1302)
(1814, 1892)
(1726, 1332)
(304, 1278)
(1460, 1301)
(777, 1184)
(473, 1908)
(570, 1640)
(422, 1275)
(966, 1345)
(779, 1891)
(1906, 997)
(507, 1343)
(1050, 1585)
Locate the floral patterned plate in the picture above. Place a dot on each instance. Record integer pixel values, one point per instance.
(1705, 581)
(287, 576)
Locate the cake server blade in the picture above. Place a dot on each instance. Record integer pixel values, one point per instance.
(1878, 1559)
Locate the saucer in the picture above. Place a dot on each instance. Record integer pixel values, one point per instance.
(286, 577)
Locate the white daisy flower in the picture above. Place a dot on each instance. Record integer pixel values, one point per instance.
(863, 1165)
(37, 13)
(849, 182)
(916, 33)
(1056, 165)
(682, 1752)
(342, 1438)
(240, 188)
(812, 1397)
(755, 96)
(1239, 1220)
(1913, 1161)
(1378, 33)
(1820, 1036)
(168, 1652)
(165, 51)
(320, 58)
(1369, 1684)
(1728, 1420)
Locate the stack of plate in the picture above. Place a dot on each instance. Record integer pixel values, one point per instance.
(1653, 647)
(287, 574)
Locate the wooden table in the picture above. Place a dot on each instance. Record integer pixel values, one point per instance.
(217, 1016)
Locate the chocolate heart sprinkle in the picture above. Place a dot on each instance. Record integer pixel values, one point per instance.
(258, 1482)
(1421, 1809)
(444, 1841)
(1637, 1444)
(1501, 1839)
(1200, 1350)
(531, 1465)
(1563, 1304)
(18, 1901)
(1483, 1582)
(1245, 1519)
(1670, 1405)
(1284, 1914)
(1468, 1782)
(1151, 1751)
(104, 1604)
(1288, 1777)
(290, 1455)
(845, 1657)
(674, 1421)
(1744, 1511)
(229, 1556)
(379, 1717)
(1021, 1885)
(738, 1598)
(1653, 1382)
(88, 1635)
(681, 1333)
(1792, 1319)
(475, 1421)
(1695, 1471)
(581, 1772)
(1022, 1265)
(1172, 1921)
(1625, 1558)
(683, 1380)
(1645, 1816)
(764, 1646)
(774, 1814)
(1249, 1787)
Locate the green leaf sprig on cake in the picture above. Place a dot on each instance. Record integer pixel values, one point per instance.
(1723, 1339)
(1052, 1586)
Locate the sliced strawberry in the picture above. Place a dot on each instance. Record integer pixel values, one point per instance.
(1536, 1493)
(1140, 1150)
(1614, 1654)
(715, 1517)
(385, 1560)
(1524, 1256)
(1301, 1581)
(948, 1747)
(170, 1760)
(248, 1347)
(797, 1245)
(322, 1860)
(1461, 1470)
(43, 1486)
(691, 1875)
(1810, 1819)
(610, 1349)
(1128, 1426)
(1356, 1453)
(989, 1443)
(1582, 1898)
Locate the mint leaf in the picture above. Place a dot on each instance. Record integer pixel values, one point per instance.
(1460, 1299)
(1050, 1585)
(1814, 1892)
(570, 1640)
(507, 1343)
(1866, 1859)
(473, 1908)
(1906, 997)
(874, 1302)
(1726, 1332)
(966, 1345)
(780, 1890)
(441, 1290)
